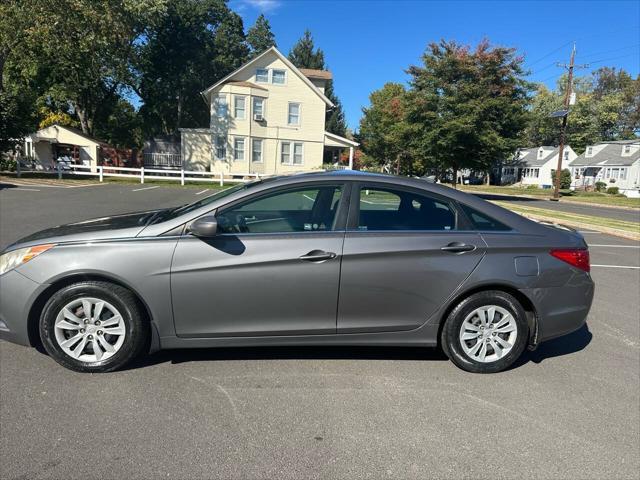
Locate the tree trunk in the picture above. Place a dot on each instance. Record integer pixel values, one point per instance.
(82, 116)
(179, 112)
(455, 177)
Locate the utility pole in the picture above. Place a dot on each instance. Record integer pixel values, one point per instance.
(565, 114)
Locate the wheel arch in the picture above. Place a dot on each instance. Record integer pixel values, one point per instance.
(527, 305)
(38, 304)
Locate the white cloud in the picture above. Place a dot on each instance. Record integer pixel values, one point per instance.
(262, 5)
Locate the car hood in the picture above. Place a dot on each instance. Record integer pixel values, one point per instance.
(105, 228)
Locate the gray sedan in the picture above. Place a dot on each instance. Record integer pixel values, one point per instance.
(342, 258)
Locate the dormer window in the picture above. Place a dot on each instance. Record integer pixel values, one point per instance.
(566, 154)
(627, 149)
(540, 153)
(278, 77)
(589, 150)
(262, 75)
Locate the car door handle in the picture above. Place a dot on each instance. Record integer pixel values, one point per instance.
(317, 256)
(458, 247)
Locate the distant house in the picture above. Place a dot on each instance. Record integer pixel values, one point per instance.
(46, 146)
(533, 166)
(43, 149)
(615, 163)
(267, 117)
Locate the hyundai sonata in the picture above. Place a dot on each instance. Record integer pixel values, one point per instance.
(343, 258)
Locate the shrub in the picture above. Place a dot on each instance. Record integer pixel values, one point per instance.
(532, 187)
(613, 190)
(7, 164)
(565, 178)
(600, 186)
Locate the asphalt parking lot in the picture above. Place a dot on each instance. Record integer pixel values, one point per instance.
(571, 409)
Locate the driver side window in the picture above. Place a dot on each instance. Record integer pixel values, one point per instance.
(305, 209)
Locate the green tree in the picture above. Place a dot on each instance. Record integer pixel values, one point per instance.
(191, 45)
(384, 131)
(305, 55)
(260, 37)
(470, 106)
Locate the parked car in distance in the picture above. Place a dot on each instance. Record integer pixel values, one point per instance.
(340, 258)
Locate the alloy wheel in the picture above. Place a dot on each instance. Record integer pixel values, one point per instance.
(488, 333)
(89, 329)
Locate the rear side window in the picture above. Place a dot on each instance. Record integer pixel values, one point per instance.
(390, 209)
(481, 221)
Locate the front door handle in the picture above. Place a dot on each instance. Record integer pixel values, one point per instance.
(317, 256)
(458, 247)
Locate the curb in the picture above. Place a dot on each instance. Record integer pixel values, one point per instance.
(563, 200)
(580, 225)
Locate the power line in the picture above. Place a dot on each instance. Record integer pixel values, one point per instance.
(549, 54)
(612, 58)
(591, 55)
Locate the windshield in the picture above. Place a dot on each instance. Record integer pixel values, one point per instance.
(170, 213)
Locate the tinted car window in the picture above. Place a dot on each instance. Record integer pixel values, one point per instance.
(481, 221)
(295, 210)
(390, 209)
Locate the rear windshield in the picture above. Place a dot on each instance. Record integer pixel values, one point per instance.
(484, 222)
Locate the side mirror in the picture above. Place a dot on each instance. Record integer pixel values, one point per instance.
(204, 227)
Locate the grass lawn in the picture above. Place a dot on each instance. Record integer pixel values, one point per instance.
(583, 197)
(573, 218)
(134, 181)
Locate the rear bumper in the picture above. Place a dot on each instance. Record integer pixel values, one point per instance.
(17, 294)
(562, 310)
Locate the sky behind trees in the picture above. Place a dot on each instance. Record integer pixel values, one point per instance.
(369, 43)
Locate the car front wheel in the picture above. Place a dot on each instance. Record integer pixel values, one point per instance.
(486, 332)
(93, 327)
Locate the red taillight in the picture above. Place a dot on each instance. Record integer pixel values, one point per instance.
(579, 258)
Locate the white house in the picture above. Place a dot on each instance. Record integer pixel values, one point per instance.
(49, 144)
(267, 117)
(615, 163)
(533, 166)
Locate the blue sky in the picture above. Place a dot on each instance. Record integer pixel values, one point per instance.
(369, 43)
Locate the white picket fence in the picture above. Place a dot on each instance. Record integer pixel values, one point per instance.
(156, 174)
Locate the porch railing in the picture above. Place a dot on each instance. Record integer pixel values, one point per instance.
(162, 160)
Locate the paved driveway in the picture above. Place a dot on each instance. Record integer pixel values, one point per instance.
(569, 410)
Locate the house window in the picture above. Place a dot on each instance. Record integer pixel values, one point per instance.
(627, 149)
(258, 106)
(262, 75)
(540, 153)
(238, 107)
(297, 154)
(221, 148)
(221, 106)
(294, 114)
(566, 154)
(278, 77)
(589, 150)
(256, 152)
(238, 149)
(285, 154)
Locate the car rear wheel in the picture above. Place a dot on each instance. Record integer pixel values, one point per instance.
(486, 332)
(93, 327)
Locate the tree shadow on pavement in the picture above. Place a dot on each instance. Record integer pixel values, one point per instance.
(506, 198)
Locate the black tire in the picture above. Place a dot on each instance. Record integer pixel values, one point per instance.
(450, 340)
(134, 319)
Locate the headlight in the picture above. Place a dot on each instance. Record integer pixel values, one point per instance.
(13, 259)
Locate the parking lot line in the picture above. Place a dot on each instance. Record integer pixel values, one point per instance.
(25, 190)
(616, 266)
(203, 191)
(145, 188)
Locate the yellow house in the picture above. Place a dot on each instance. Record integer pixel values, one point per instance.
(267, 117)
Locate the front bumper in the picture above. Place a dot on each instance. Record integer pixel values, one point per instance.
(17, 294)
(562, 310)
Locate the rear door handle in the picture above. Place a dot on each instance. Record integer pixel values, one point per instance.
(458, 247)
(317, 256)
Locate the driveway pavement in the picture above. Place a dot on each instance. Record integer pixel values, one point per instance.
(571, 409)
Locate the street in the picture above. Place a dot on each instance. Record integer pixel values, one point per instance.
(570, 409)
